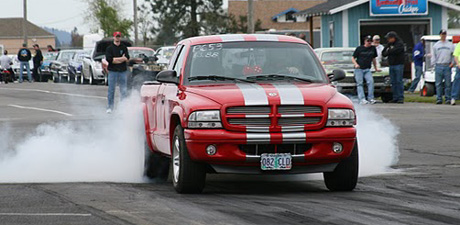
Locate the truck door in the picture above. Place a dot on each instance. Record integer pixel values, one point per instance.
(167, 98)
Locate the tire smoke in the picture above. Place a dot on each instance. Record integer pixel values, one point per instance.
(108, 148)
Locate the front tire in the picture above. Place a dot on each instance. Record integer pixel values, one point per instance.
(345, 175)
(188, 176)
(428, 90)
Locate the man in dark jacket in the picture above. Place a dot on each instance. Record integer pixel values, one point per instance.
(418, 55)
(395, 53)
(24, 57)
(38, 60)
(117, 56)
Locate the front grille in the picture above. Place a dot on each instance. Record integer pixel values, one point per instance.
(250, 121)
(299, 109)
(298, 121)
(258, 149)
(249, 110)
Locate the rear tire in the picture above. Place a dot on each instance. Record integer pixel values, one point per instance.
(156, 166)
(427, 90)
(345, 175)
(188, 176)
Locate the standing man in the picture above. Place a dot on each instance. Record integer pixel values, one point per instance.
(379, 47)
(363, 57)
(456, 83)
(24, 57)
(395, 53)
(442, 59)
(117, 56)
(418, 55)
(38, 60)
(5, 63)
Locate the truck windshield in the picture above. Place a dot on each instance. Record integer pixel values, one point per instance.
(249, 59)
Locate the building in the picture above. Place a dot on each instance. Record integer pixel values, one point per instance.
(344, 23)
(11, 35)
(275, 14)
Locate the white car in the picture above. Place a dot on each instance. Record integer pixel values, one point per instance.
(427, 81)
(91, 71)
(15, 67)
(164, 54)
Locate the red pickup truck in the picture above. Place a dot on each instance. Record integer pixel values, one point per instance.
(248, 104)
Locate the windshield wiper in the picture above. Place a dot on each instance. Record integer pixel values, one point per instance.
(278, 76)
(216, 77)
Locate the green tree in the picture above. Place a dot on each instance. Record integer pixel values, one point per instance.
(240, 25)
(104, 14)
(177, 19)
(453, 16)
(77, 39)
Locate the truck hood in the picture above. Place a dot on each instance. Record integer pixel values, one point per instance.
(266, 93)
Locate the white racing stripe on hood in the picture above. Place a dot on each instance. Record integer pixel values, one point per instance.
(289, 94)
(253, 94)
(234, 37)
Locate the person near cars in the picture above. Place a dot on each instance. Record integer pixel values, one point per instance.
(363, 58)
(442, 59)
(456, 83)
(394, 50)
(24, 56)
(38, 60)
(5, 64)
(117, 56)
(50, 48)
(379, 47)
(417, 56)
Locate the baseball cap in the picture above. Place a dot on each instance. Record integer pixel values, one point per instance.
(117, 33)
(368, 37)
(391, 34)
(376, 37)
(443, 31)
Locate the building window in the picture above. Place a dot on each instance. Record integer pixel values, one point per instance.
(290, 16)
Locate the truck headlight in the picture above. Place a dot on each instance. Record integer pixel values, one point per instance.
(205, 119)
(341, 118)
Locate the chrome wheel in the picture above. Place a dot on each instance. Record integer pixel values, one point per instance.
(176, 159)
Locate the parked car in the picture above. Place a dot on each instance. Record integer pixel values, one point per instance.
(16, 70)
(333, 58)
(248, 104)
(92, 70)
(58, 67)
(164, 54)
(75, 65)
(45, 72)
(427, 81)
(143, 66)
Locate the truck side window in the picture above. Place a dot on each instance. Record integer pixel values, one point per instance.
(174, 57)
(180, 62)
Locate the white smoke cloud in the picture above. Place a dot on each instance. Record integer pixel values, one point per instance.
(108, 148)
(377, 142)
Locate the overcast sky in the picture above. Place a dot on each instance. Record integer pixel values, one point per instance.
(59, 14)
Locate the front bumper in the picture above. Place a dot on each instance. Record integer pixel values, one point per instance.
(232, 155)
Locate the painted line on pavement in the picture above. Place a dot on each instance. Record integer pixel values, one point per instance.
(45, 214)
(54, 92)
(40, 109)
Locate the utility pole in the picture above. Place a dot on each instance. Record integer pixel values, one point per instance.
(135, 23)
(250, 16)
(24, 22)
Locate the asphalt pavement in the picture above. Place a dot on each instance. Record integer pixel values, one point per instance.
(424, 189)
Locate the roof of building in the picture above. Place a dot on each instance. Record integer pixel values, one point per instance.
(335, 6)
(284, 13)
(12, 28)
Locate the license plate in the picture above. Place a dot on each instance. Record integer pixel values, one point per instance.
(276, 161)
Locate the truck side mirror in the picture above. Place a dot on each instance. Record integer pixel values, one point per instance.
(336, 75)
(168, 76)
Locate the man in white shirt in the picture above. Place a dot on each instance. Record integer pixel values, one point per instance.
(5, 63)
(379, 47)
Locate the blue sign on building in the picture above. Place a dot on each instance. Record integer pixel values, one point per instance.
(398, 7)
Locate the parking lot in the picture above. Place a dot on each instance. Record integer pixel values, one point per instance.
(422, 188)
